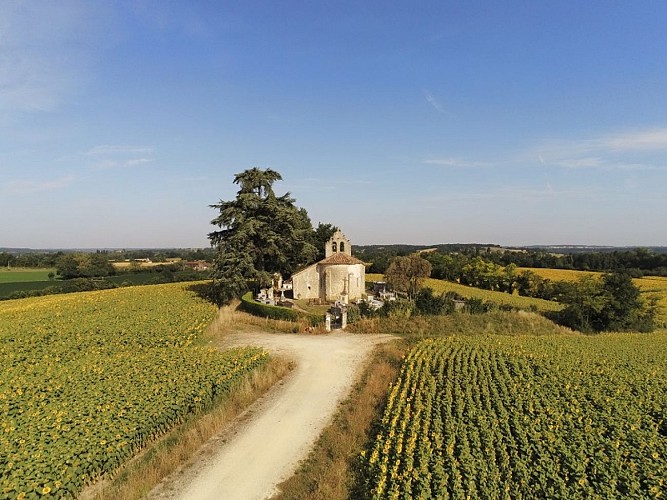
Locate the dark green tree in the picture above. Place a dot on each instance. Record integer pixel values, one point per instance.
(612, 303)
(624, 309)
(4, 259)
(427, 303)
(322, 234)
(260, 234)
(84, 265)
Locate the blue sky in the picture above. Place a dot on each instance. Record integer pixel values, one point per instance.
(511, 122)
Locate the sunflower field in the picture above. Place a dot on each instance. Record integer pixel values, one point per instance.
(88, 379)
(525, 417)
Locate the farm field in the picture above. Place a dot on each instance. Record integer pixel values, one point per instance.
(16, 275)
(129, 279)
(123, 265)
(563, 416)
(7, 289)
(500, 298)
(557, 274)
(90, 378)
(655, 285)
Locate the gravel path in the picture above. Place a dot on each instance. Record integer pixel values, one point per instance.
(266, 443)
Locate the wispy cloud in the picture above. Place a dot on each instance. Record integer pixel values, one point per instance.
(646, 140)
(27, 186)
(633, 150)
(107, 156)
(321, 184)
(457, 163)
(44, 49)
(430, 98)
(515, 193)
(106, 149)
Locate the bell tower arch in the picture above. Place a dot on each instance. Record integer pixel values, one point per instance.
(338, 243)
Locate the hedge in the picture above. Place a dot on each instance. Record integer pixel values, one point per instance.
(248, 304)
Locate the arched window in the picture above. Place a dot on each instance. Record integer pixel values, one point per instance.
(341, 247)
(333, 247)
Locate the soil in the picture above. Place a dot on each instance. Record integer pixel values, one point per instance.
(264, 445)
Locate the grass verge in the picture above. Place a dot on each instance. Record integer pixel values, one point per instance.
(491, 323)
(135, 479)
(232, 319)
(330, 470)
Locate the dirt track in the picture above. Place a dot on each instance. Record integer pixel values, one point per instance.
(266, 443)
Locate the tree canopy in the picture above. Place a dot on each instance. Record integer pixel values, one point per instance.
(260, 234)
(406, 274)
(612, 303)
(84, 265)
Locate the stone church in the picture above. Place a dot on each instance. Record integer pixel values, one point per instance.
(338, 277)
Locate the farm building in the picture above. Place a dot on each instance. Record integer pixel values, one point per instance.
(198, 265)
(338, 277)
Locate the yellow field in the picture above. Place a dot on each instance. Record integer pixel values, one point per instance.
(558, 416)
(557, 274)
(655, 286)
(500, 298)
(89, 379)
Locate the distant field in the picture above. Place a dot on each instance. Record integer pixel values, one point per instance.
(557, 274)
(7, 288)
(501, 298)
(126, 264)
(16, 275)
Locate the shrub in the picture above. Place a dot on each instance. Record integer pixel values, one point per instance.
(248, 304)
(400, 308)
(475, 306)
(426, 303)
(353, 313)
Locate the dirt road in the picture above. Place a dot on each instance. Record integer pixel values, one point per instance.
(278, 431)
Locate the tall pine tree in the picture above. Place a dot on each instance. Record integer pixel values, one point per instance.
(260, 234)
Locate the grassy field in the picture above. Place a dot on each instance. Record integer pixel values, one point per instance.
(562, 416)
(91, 378)
(6, 289)
(20, 275)
(500, 298)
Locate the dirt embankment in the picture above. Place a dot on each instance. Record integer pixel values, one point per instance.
(265, 444)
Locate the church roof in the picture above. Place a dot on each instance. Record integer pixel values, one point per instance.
(340, 258)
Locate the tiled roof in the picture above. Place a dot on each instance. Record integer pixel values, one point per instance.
(340, 258)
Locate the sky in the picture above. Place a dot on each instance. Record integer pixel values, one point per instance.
(423, 122)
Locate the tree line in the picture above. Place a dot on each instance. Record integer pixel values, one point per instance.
(611, 302)
(45, 259)
(638, 262)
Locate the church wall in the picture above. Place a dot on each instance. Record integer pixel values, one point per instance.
(306, 283)
(339, 278)
(328, 279)
(357, 281)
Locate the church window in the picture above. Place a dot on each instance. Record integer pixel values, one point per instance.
(342, 247)
(333, 247)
